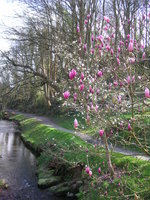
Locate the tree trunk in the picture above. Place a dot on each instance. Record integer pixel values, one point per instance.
(108, 156)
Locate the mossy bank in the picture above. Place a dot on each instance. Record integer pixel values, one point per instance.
(61, 166)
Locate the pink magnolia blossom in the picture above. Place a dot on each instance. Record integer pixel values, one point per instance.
(121, 84)
(129, 127)
(92, 38)
(121, 42)
(100, 73)
(108, 48)
(128, 36)
(106, 19)
(130, 47)
(112, 52)
(115, 83)
(96, 108)
(88, 16)
(66, 94)
(101, 132)
(119, 49)
(81, 87)
(119, 98)
(131, 60)
(90, 173)
(143, 55)
(82, 76)
(85, 47)
(118, 61)
(147, 93)
(87, 170)
(99, 170)
(78, 29)
(72, 74)
(128, 80)
(92, 51)
(75, 96)
(86, 22)
(106, 28)
(81, 81)
(133, 79)
(75, 124)
(100, 38)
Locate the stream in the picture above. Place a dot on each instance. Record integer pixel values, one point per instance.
(18, 167)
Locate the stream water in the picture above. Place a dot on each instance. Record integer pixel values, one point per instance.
(17, 167)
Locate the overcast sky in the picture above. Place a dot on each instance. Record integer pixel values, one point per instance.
(8, 9)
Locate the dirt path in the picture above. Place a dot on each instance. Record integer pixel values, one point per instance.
(48, 121)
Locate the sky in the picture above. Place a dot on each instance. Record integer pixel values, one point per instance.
(8, 9)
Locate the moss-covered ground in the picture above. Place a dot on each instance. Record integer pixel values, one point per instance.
(132, 177)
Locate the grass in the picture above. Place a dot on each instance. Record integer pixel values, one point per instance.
(66, 121)
(132, 175)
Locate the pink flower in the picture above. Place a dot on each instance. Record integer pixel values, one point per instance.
(121, 84)
(75, 124)
(90, 173)
(92, 38)
(82, 76)
(72, 74)
(75, 96)
(131, 60)
(129, 127)
(119, 98)
(92, 51)
(100, 73)
(66, 94)
(112, 52)
(119, 49)
(105, 28)
(78, 29)
(143, 55)
(81, 87)
(88, 16)
(128, 36)
(118, 61)
(101, 132)
(106, 19)
(147, 93)
(133, 79)
(121, 43)
(108, 48)
(100, 38)
(84, 47)
(96, 108)
(130, 47)
(128, 80)
(87, 170)
(115, 83)
(99, 170)
(86, 22)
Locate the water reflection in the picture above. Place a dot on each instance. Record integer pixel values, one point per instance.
(17, 167)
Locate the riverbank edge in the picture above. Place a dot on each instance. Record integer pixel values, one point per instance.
(39, 150)
(58, 186)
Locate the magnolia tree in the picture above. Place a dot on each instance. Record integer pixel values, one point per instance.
(106, 82)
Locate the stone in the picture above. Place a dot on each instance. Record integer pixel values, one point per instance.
(48, 181)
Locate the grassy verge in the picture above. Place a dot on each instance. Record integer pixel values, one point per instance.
(132, 179)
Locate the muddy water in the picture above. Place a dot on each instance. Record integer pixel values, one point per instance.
(17, 167)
